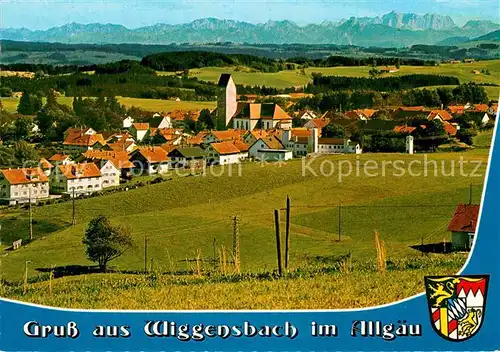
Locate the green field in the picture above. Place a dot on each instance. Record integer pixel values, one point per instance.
(183, 216)
(10, 104)
(290, 78)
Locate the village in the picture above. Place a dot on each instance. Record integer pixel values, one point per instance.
(89, 161)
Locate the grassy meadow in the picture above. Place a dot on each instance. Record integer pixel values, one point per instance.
(10, 104)
(290, 78)
(188, 217)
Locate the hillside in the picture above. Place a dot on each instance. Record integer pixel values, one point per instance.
(189, 217)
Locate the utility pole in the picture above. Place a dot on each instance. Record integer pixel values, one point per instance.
(215, 256)
(278, 244)
(236, 243)
(287, 233)
(340, 219)
(31, 214)
(145, 253)
(73, 221)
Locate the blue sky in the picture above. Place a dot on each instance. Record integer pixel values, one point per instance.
(43, 14)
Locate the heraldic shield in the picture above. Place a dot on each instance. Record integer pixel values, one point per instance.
(456, 304)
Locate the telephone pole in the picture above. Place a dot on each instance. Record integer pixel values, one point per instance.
(31, 214)
(340, 219)
(236, 243)
(73, 220)
(287, 233)
(145, 253)
(278, 240)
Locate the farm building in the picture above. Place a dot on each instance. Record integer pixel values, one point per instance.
(22, 185)
(463, 226)
(82, 139)
(269, 148)
(223, 153)
(153, 160)
(139, 130)
(189, 157)
(60, 159)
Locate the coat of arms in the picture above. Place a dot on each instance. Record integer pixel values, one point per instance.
(456, 304)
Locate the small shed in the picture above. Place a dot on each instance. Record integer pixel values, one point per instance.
(463, 226)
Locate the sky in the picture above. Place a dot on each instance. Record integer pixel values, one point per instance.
(43, 14)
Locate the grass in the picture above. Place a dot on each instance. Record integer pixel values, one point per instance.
(290, 78)
(300, 290)
(483, 139)
(185, 214)
(10, 104)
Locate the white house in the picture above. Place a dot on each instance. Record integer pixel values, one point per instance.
(269, 149)
(139, 130)
(110, 174)
(223, 153)
(61, 159)
(23, 185)
(128, 121)
(77, 179)
(152, 160)
(307, 115)
(160, 122)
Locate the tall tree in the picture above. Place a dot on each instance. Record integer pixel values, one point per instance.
(104, 242)
(29, 104)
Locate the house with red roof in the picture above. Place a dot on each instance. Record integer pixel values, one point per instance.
(152, 160)
(76, 179)
(23, 185)
(463, 226)
(82, 139)
(224, 153)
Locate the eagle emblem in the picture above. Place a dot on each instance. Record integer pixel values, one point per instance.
(456, 304)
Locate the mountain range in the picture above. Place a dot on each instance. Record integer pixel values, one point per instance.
(390, 30)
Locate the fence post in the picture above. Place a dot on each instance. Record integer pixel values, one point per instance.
(278, 244)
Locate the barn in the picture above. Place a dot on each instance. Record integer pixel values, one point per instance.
(463, 226)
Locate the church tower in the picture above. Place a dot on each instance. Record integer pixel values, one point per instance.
(226, 100)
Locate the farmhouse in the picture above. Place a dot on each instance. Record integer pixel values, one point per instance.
(189, 157)
(76, 179)
(307, 115)
(223, 153)
(269, 148)
(23, 185)
(121, 165)
(441, 115)
(127, 122)
(160, 122)
(139, 130)
(46, 166)
(153, 160)
(62, 159)
(82, 139)
(463, 226)
(222, 136)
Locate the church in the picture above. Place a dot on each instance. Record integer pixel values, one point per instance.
(246, 116)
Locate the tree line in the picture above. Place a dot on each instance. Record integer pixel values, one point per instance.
(321, 84)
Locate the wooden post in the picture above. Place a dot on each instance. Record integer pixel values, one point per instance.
(25, 287)
(215, 256)
(278, 244)
(145, 253)
(287, 233)
(340, 220)
(236, 244)
(73, 220)
(31, 214)
(50, 278)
